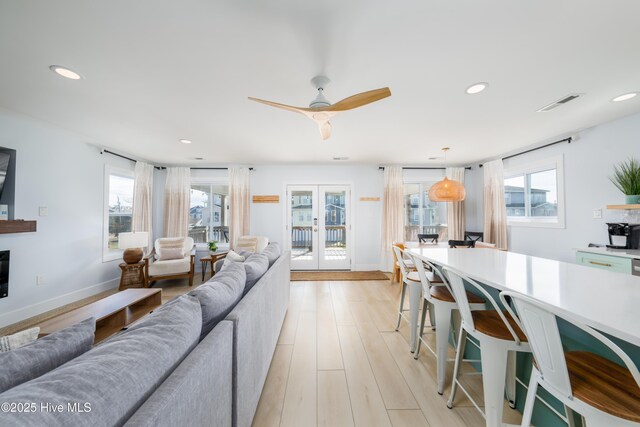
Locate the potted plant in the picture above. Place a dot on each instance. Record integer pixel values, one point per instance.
(213, 246)
(626, 177)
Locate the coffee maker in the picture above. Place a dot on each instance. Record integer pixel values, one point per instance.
(623, 235)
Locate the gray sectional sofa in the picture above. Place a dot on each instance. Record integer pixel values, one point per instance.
(161, 371)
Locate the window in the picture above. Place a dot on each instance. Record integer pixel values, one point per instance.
(533, 194)
(422, 216)
(118, 209)
(209, 212)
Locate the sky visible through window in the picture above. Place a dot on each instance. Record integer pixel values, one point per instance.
(120, 192)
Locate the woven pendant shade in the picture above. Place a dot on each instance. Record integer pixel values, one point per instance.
(447, 190)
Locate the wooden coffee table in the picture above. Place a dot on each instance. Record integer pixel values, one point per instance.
(112, 313)
(211, 259)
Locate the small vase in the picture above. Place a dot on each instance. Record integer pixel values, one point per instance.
(632, 200)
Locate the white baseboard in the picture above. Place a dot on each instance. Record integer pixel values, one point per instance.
(43, 306)
(366, 267)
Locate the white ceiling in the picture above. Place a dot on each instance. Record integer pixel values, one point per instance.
(156, 71)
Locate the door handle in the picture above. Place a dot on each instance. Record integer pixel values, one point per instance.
(603, 264)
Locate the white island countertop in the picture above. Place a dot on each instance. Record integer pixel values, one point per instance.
(604, 300)
(625, 253)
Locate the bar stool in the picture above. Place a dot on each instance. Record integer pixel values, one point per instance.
(499, 337)
(603, 392)
(396, 264)
(438, 299)
(407, 277)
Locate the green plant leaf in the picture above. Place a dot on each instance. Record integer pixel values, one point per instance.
(626, 177)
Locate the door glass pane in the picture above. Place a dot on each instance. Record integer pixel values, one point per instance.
(335, 220)
(514, 196)
(543, 193)
(301, 225)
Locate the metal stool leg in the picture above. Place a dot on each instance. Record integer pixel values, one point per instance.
(425, 304)
(402, 296)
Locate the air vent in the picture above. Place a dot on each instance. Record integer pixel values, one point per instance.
(560, 102)
(339, 159)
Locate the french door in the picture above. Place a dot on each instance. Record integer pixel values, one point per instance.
(319, 227)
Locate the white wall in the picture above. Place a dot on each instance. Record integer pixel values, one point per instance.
(588, 162)
(268, 219)
(59, 170)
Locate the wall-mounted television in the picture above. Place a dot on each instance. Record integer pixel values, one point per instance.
(4, 168)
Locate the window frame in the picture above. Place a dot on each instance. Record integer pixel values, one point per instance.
(528, 168)
(423, 189)
(212, 181)
(109, 255)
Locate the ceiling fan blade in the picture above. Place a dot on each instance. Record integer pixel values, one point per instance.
(360, 99)
(283, 106)
(325, 130)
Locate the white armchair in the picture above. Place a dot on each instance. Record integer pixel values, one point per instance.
(157, 266)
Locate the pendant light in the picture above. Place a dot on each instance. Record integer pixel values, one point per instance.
(447, 190)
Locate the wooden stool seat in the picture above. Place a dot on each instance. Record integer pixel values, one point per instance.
(603, 384)
(433, 278)
(489, 323)
(442, 293)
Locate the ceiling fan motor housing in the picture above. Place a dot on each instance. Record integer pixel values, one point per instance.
(320, 82)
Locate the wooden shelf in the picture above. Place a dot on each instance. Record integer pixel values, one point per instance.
(19, 226)
(112, 313)
(624, 207)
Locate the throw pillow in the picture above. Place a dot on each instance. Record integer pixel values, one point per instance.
(220, 295)
(255, 266)
(118, 375)
(246, 243)
(169, 243)
(272, 251)
(19, 339)
(46, 354)
(233, 256)
(165, 254)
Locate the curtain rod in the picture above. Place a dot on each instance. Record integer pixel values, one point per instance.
(157, 167)
(418, 168)
(569, 139)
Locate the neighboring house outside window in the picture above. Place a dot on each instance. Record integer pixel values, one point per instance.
(534, 193)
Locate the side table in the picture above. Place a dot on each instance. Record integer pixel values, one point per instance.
(132, 276)
(211, 259)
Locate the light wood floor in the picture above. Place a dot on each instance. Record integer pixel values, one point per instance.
(339, 362)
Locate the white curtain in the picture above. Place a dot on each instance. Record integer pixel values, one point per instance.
(495, 211)
(238, 204)
(392, 214)
(141, 219)
(455, 210)
(177, 192)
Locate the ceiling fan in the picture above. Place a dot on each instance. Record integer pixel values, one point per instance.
(321, 110)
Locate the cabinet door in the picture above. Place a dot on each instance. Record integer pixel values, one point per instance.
(605, 262)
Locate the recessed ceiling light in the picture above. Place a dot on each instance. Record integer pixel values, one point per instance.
(185, 141)
(625, 97)
(477, 88)
(65, 72)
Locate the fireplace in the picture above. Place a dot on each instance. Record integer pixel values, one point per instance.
(4, 274)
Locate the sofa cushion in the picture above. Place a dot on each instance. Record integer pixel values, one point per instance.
(272, 251)
(255, 266)
(44, 355)
(219, 295)
(116, 376)
(171, 266)
(19, 339)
